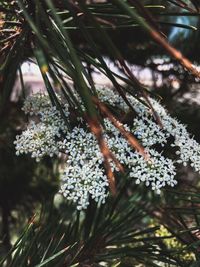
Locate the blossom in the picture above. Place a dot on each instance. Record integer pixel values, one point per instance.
(83, 176)
(42, 138)
(39, 140)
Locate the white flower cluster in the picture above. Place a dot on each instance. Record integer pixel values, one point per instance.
(84, 176)
(41, 138)
(158, 172)
(150, 133)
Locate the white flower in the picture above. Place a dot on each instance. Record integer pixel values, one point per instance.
(39, 140)
(83, 176)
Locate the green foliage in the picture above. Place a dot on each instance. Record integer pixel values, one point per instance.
(62, 37)
(24, 184)
(111, 234)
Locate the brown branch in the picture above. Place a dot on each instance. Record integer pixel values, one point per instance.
(4, 48)
(128, 72)
(158, 38)
(13, 23)
(147, 15)
(182, 5)
(107, 154)
(175, 53)
(8, 31)
(104, 21)
(155, 114)
(10, 38)
(130, 138)
(116, 85)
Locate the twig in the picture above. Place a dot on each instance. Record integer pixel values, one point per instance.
(10, 38)
(158, 38)
(131, 139)
(107, 154)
